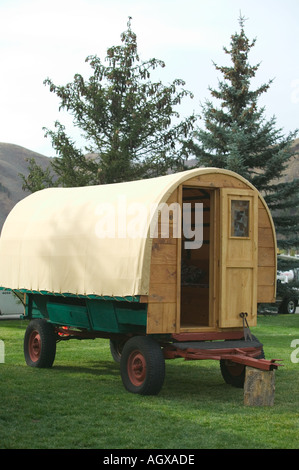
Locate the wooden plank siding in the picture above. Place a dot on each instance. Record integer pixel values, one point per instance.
(163, 302)
(164, 299)
(266, 291)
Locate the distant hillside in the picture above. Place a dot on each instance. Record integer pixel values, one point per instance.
(12, 162)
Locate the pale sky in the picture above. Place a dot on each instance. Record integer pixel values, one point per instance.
(52, 38)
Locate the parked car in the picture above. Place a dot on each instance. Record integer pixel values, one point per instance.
(287, 297)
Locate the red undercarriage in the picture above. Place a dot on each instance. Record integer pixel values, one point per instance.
(245, 356)
(197, 346)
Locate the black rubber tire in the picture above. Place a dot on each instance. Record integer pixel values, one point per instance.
(288, 307)
(116, 348)
(234, 373)
(42, 354)
(149, 378)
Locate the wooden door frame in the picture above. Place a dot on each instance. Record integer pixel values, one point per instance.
(214, 254)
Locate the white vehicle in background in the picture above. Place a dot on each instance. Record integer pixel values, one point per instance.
(10, 305)
(285, 276)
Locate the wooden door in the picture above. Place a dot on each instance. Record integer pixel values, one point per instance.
(238, 256)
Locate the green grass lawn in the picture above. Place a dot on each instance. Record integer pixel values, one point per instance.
(81, 403)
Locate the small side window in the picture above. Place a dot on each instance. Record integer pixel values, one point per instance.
(239, 218)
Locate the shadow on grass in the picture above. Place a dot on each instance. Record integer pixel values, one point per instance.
(183, 381)
(199, 381)
(92, 368)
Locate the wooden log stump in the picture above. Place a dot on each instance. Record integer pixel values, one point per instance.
(259, 387)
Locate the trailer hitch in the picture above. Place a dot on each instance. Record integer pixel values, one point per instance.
(246, 329)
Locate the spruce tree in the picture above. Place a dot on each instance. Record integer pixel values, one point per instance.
(238, 137)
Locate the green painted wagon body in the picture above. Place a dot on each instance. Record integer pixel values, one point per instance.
(109, 315)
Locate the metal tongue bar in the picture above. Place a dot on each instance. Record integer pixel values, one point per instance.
(246, 329)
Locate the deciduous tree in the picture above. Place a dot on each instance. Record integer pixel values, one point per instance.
(130, 124)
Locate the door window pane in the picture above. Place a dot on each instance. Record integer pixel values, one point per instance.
(239, 218)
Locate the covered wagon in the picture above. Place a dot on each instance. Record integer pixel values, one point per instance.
(166, 267)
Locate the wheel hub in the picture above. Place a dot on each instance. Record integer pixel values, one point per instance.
(136, 368)
(34, 346)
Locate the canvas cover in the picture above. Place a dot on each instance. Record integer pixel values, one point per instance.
(54, 240)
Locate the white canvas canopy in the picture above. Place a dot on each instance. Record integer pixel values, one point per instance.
(61, 239)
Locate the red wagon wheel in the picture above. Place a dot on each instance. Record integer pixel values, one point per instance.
(142, 366)
(39, 343)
